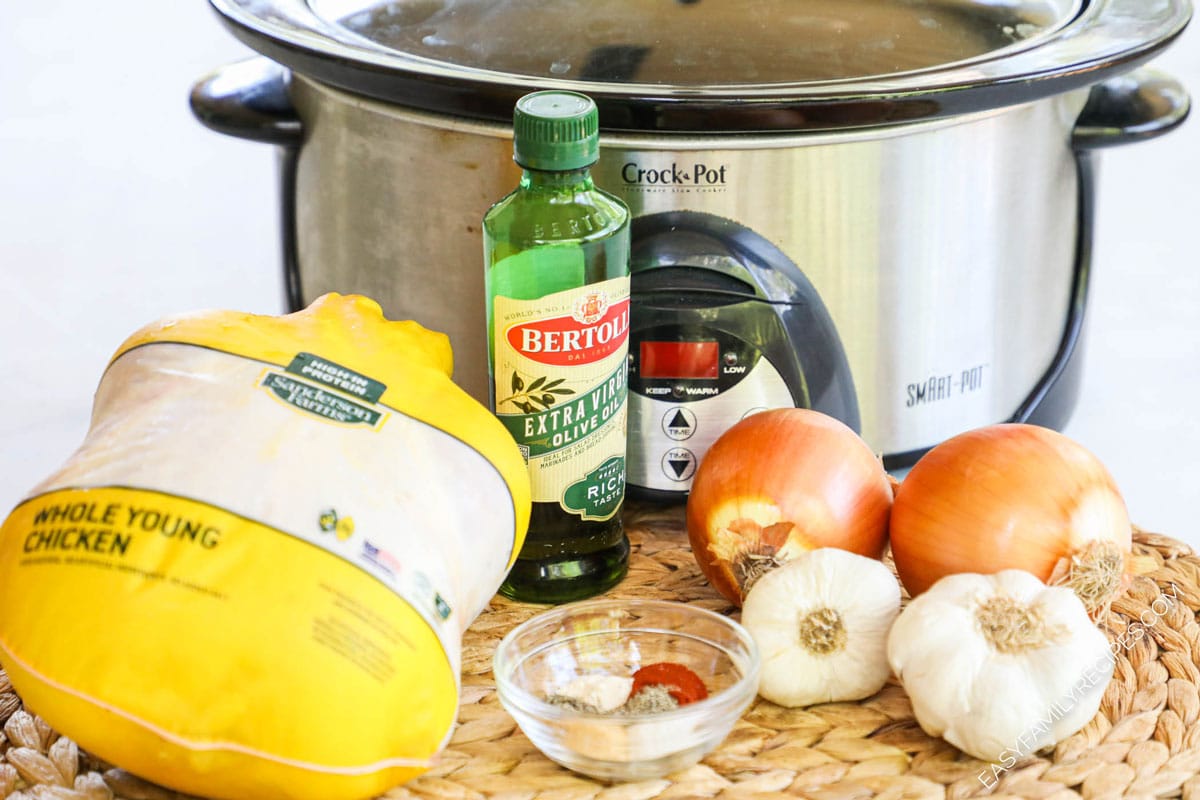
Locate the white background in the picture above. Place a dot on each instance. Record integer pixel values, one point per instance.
(117, 207)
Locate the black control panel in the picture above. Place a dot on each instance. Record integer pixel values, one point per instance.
(722, 325)
(687, 363)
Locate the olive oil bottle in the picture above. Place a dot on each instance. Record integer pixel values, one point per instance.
(556, 252)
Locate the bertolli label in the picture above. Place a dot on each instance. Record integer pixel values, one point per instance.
(560, 375)
(595, 329)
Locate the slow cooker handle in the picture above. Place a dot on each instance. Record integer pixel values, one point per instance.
(1133, 107)
(249, 99)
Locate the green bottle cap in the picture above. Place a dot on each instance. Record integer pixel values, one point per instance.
(556, 131)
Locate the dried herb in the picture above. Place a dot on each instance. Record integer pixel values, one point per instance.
(650, 700)
(572, 703)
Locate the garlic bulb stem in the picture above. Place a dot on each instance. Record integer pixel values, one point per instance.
(1012, 627)
(822, 632)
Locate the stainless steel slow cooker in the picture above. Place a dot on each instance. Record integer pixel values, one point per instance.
(879, 208)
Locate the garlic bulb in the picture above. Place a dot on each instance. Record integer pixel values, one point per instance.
(1000, 665)
(821, 623)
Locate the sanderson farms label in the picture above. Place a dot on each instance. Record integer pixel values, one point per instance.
(560, 371)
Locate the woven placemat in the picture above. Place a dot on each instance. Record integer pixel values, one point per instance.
(1144, 742)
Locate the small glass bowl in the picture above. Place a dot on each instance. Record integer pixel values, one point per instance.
(538, 658)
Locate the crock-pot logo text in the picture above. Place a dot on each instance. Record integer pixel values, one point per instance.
(562, 341)
(677, 177)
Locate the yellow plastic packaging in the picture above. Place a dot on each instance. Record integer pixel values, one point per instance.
(252, 578)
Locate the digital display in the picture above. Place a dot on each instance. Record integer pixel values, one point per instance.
(696, 360)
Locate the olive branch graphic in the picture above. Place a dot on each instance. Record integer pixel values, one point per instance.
(537, 396)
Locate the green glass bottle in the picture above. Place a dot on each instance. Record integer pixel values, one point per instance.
(557, 276)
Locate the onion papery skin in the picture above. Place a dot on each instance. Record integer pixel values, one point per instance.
(1008, 496)
(781, 483)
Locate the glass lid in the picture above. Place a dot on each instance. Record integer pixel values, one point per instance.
(710, 65)
(696, 43)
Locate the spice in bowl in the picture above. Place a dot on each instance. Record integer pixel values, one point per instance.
(594, 694)
(653, 689)
(680, 683)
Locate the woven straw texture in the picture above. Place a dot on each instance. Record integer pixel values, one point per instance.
(1144, 742)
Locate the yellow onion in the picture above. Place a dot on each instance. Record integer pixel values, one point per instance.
(778, 484)
(1012, 496)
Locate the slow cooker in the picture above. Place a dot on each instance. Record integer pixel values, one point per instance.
(878, 208)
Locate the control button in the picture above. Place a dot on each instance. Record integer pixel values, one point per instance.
(679, 464)
(679, 424)
(731, 358)
(678, 389)
(754, 410)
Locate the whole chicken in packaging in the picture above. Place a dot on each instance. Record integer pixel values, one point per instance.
(252, 578)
